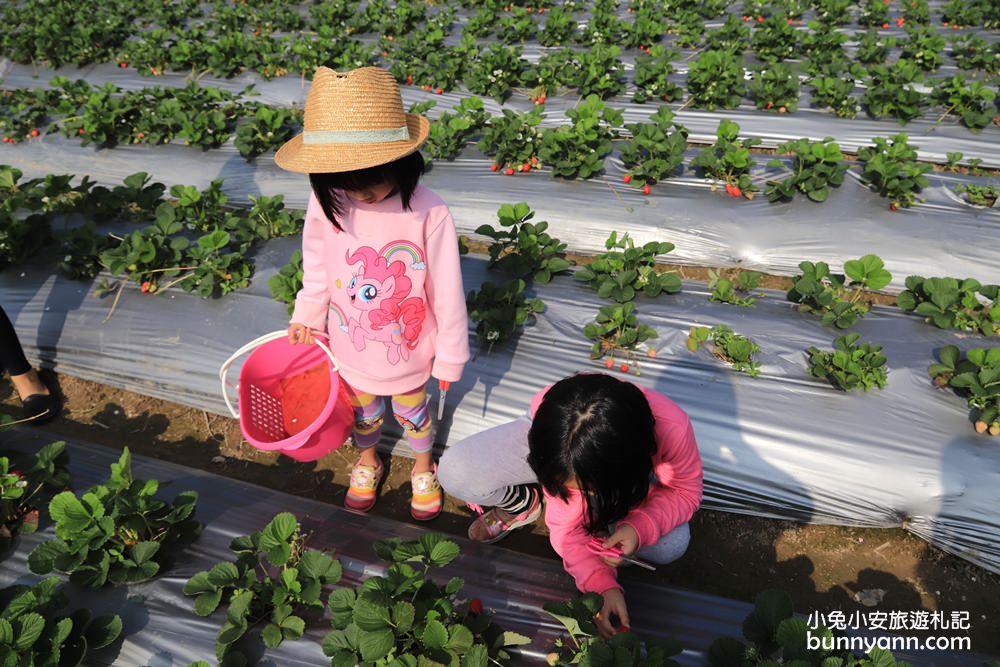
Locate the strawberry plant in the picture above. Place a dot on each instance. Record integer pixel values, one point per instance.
(973, 101)
(775, 87)
(734, 349)
(586, 647)
(732, 37)
(775, 39)
(217, 266)
(824, 47)
(974, 52)
(560, 27)
(512, 138)
(655, 150)
(728, 160)
(24, 480)
(835, 92)
(948, 303)
(285, 284)
(833, 12)
(978, 195)
(499, 310)
(555, 70)
(269, 219)
(816, 167)
(777, 637)
(495, 70)
(715, 80)
(516, 26)
(579, 149)
(924, 47)
(115, 532)
(850, 365)
(646, 28)
(652, 76)
(404, 618)
(274, 579)
(135, 200)
(873, 48)
(889, 91)
(916, 11)
(688, 29)
(522, 248)
(962, 13)
(874, 13)
(626, 269)
(840, 302)
(266, 130)
(890, 167)
(33, 632)
(604, 26)
(484, 21)
(736, 290)
(975, 378)
(600, 72)
(451, 132)
(81, 250)
(616, 330)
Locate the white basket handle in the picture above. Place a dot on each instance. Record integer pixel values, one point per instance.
(257, 342)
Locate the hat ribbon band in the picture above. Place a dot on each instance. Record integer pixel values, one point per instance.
(355, 136)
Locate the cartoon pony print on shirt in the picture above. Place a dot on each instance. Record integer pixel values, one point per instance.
(380, 289)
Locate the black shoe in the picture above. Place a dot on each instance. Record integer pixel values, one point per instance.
(40, 408)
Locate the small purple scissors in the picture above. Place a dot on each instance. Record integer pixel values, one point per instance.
(597, 547)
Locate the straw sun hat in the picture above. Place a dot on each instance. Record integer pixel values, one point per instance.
(353, 120)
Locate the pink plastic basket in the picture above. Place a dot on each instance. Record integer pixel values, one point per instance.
(272, 359)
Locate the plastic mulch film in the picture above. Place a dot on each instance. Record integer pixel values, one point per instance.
(783, 445)
(933, 138)
(161, 628)
(940, 237)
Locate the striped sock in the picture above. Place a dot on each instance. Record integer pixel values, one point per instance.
(518, 498)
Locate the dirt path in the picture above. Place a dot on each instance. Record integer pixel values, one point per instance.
(823, 567)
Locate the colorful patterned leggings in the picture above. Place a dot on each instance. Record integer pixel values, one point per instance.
(409, 409)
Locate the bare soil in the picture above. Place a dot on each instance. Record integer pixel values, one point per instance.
(735, 556)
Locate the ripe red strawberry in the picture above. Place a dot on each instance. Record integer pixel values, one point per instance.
(6, 140)
(770, 105)
(123, 65)
(609, 362)
(541, 10)
(945, 24)
(623, 368)
(439, 91)
(34, 133)
(736, 191)
(626, 178)
(893, 206)
(475, 606)
(652, 353)
(527, 166)
(789, 21)
(144, 288)
(900, 21)
(531, 9)
(426, 87)
(139, 135)
(494, 167)
(760, 19)
(745, 17)
(409, 80)
(509, 171)
(646, 189)
(534, 161)
(885, 25)
(80, 131)
(541, 100)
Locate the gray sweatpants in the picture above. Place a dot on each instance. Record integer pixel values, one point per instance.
(479, 469)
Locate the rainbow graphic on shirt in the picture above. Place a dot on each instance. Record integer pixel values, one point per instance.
(342, 324)
(415, 254)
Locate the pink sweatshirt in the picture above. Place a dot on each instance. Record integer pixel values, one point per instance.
(672, 499)
(391, 287)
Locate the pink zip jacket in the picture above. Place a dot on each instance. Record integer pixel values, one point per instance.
(390, 286)
(671, 501)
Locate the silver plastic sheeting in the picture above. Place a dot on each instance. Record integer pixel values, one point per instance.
(941, 237)
(162, 630)
(934, 139)
(783, 445)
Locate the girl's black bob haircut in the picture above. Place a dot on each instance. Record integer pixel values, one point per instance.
(600, 431)
(402, 174)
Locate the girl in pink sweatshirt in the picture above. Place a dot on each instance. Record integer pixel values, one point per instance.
(380, 266)
(613, 460)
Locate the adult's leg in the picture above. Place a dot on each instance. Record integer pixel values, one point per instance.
(12, 357)
(491, 467)
(669, 547)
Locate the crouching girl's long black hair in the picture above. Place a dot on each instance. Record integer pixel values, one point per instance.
(600, 431)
